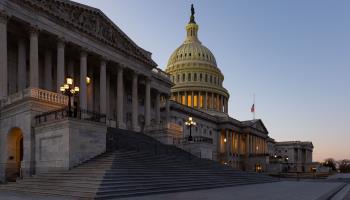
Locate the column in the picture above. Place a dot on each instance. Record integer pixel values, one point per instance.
(230, 135)
(34, 58)
(157, 108)
(83, 86)
(120, 98)
(22, 68)
(212, 101)
(199, 99)
(247, 145)
(167, 109)
(3, 56)
(226, 105)
(103, 86)
(108, 86)
(238, 150)
(192, 100)
(186, 99)
(205, 101)
(48, 70)
(135, 110)
(60, 64)
(227, 145)
(148, 103)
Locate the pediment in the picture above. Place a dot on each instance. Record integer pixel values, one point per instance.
(90, 21)
(256, 124)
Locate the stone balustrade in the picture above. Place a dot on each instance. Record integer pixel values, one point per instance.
(35, 93)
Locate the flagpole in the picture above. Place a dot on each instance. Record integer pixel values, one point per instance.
(254, 106)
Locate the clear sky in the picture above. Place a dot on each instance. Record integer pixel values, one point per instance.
(294, 55)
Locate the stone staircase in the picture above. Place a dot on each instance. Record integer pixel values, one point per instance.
(136, 165)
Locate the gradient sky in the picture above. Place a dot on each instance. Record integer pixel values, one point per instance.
(294, 55)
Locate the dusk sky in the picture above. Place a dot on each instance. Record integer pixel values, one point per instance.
(294, 55)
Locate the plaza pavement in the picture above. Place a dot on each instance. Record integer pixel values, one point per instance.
(285, 190)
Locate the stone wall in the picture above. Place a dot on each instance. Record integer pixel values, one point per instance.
(67, 143)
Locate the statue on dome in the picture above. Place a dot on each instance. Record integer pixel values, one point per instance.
(192, 14)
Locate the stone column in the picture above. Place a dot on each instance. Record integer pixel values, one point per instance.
(48, 70)
(148, 103)
(227, 144)
(199, 99)
(108, 86)
(167, 109)
(157, 108)
(212, 101)
(120, 98)
(60, 64)
(34, 58)
(238, 150)
(186, 99)
(3, 56)
(22, 67)
(226, 105)
(83, 86)
(103, 86)
(192, 100)
(135, 110)
(247, 145)
(231, 142)
(205, 101)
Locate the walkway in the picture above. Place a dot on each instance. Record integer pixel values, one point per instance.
(286, 190)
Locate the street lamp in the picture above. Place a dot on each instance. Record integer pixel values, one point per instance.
(70, 90)
(190, 123)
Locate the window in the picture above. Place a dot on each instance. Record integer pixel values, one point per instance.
(200, 77)
(178, 78)
(195, 77)
(183, 77)
(211, 79)
(206, 77)
(189, 54)
(189, 77)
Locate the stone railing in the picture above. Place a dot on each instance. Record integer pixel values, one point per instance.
(161, 73)
(35, 93)
(195, 139)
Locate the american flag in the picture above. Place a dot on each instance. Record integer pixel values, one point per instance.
(253, 108)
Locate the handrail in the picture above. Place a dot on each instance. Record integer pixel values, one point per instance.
(196, 139)
(65, 113)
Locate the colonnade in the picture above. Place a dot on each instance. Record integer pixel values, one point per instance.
(202, 100)
(37, 81)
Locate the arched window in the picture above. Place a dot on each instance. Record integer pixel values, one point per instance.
(200, 77)
(195, 77)
(206, 77)
(189, 77)
(178, 78)
(183, 77)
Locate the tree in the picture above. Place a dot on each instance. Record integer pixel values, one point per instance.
(331, 163)
(344, 166)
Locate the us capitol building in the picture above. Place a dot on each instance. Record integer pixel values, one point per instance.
(58, 54)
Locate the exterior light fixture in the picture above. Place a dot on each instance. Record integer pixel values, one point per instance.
(69, 81)
(190, 123)
(70, 90)
(225, 140)
(88, 80)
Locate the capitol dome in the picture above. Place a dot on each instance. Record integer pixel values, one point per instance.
(198, 82)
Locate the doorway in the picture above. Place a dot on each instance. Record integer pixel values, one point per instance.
(14, 154)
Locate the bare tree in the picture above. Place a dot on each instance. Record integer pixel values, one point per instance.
(344, 166)
(331, 163)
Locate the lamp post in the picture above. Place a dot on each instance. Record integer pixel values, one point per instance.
(190, 123)
(70, 90)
